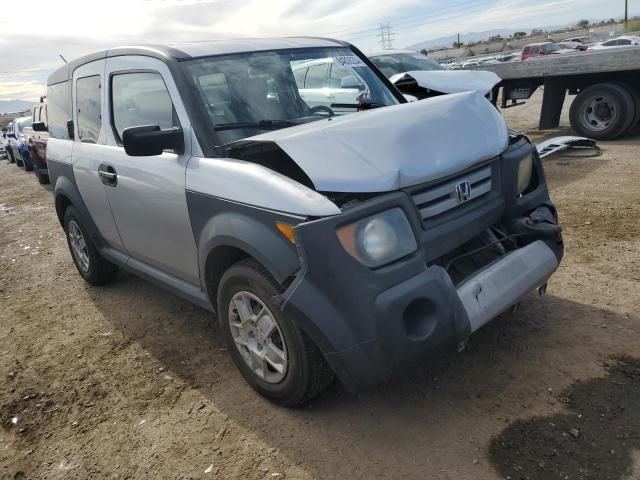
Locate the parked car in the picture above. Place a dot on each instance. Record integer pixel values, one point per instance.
(17, 145)
(572, 46)
(3, 143)
(619, 42)
(349, 244)
(583, 40)
(543, 48)
(415, 74)
(36, 138)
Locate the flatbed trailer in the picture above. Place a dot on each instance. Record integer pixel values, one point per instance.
(607, 85)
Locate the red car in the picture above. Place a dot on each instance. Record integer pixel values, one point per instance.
(543, 48)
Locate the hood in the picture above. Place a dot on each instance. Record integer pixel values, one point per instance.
(395, 147)
(451, 81)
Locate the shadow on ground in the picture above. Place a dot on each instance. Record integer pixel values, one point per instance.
(593, 442)
(444, 413)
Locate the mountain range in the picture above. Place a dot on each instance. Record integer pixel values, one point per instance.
(464, 38)
(14, 106)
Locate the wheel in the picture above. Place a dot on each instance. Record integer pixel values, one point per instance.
(26, 161)
(272, 353)
(602, 112)
(43, 178)
(10, 156)
(18, 159)
(635, 94)
(93, 268)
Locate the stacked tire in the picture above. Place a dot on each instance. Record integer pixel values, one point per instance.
(606, 110)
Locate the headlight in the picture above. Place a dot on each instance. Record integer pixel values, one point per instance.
(525, 172)
(379, 239)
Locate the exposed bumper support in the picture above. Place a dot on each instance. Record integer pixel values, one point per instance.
(494, 289)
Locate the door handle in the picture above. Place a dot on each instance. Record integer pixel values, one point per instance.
(108, 175)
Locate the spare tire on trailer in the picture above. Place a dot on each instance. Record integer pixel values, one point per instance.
(603, 111)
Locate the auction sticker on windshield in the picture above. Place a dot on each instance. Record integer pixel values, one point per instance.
(349, 61)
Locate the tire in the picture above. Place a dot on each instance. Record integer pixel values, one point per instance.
(10, 156)
(91, 266)
(27, 162)
(307, 372)
(635, 94)
(18, 159)
(617, 111)
(43, 178)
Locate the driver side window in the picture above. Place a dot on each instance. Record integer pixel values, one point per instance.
(139, 99)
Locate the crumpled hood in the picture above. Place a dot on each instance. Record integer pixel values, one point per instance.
(395, 147)
(451, 81)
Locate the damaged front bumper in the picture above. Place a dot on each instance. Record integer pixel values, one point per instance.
(373, 323)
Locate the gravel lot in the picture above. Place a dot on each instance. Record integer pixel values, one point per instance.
(127, 381)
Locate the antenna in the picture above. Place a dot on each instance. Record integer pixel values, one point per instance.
(63, 59)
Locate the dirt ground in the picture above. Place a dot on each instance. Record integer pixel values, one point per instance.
(127, 381)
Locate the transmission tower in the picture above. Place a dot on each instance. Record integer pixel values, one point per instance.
(385, 36)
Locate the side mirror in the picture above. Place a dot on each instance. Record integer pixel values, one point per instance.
(150, 140)
(39, 127)
(351, 82)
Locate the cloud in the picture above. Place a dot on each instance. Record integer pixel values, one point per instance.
(62, 27)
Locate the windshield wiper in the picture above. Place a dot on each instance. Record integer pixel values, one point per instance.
(361, 106)
(260, 125)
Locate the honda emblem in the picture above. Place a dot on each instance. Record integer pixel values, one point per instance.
(463, 192)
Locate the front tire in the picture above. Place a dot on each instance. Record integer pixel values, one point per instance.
(273, 355)
(90, 264)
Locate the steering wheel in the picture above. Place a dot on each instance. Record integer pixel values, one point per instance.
(322, 109)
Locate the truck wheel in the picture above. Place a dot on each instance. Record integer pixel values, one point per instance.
(635, 94)
(10, 156)
(93, 268)
(271, 352)
(19, 161)
(602, 112)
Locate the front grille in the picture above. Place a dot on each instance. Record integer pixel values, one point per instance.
(438, 199)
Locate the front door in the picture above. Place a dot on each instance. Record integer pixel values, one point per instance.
(147, 194)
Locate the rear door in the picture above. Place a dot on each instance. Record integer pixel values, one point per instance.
(89, 146)
(148, 197)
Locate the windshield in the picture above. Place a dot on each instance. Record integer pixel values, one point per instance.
(395, 63)
(551, 47)
(249, 93)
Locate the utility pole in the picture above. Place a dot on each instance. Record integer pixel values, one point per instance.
(626, 13)
(458, 40)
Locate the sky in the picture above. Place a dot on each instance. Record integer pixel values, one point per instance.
(33, 39)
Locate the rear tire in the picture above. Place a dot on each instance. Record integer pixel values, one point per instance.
(10, 156)
(43, 178)
(90, 264)
(304, 373)
(635, 94)
(602, 112)
(28, 163)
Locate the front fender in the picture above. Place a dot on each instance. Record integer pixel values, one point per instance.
(217, 222)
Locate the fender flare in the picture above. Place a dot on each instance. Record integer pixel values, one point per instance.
(66, 188)
(258, 238)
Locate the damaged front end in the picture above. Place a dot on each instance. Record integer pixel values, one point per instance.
(484, 238)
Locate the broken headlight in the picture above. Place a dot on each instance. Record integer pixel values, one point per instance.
(379, 239)
(525, 172)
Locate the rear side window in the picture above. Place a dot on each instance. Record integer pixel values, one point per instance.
(317, 76)
(88, 108)
(59, 110)
(141, 99)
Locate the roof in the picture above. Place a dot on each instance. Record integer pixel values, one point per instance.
(537, 44)
(187, 50)
(379, 53)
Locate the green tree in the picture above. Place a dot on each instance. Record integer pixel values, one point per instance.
(424, 51)
(583, 24)
(519, 34)
(458, 45)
